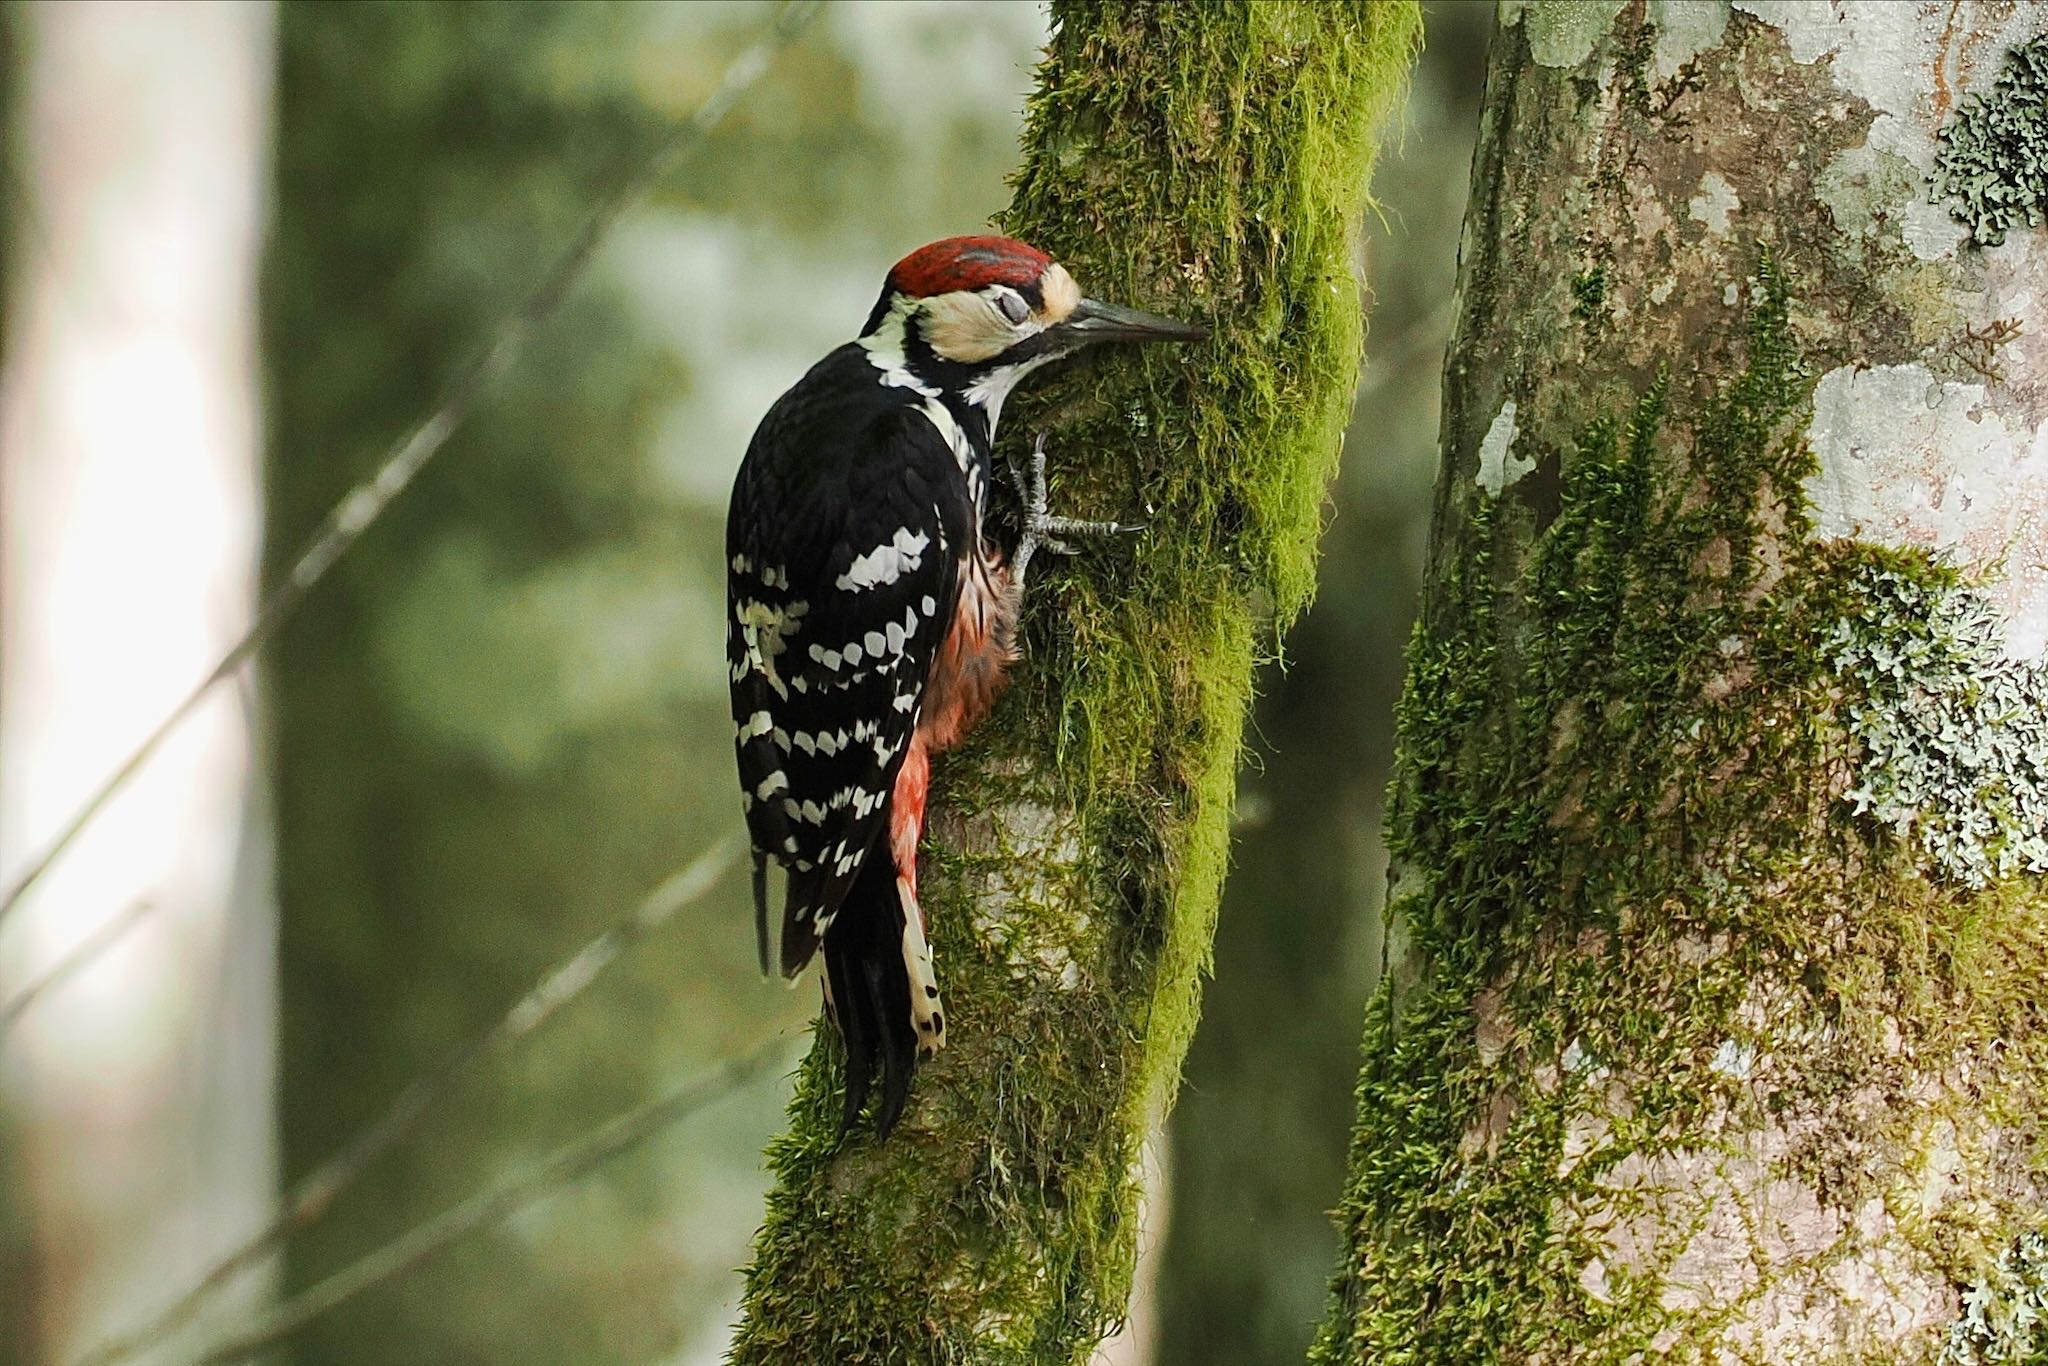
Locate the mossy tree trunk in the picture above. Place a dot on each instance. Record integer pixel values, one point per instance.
(1211, 161)
(1714, 1022)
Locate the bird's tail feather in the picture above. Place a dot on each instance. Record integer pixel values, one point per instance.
(869, 989)
(761, 909)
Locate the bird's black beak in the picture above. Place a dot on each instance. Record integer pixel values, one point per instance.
(1095, 321)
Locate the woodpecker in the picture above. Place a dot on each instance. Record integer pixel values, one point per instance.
(873, 610)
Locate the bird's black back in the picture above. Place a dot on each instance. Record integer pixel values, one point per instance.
(849, 517)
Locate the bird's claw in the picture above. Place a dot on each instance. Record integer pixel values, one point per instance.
(1043, 530)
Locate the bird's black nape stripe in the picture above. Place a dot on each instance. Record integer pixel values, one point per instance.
(880, 311)
(949, 377)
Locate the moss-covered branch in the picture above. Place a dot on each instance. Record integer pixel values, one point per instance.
(1210, 160)
(1718, 1034)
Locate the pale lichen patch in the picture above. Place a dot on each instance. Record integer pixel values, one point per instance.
(1914, 461)
(1734, 1059)
(1993, 164)
(1714, 203)
(1499, 466)
(1953, 733)
(1846, 1288)
(2005, 1315)
(1882, 54)
(1561, 32)
(1685, 29)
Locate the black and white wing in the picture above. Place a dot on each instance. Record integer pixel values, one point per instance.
(843, 544)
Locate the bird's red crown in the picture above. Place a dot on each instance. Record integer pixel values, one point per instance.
(956, 263)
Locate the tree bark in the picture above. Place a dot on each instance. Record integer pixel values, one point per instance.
(1209, 160)
(1713, 1028)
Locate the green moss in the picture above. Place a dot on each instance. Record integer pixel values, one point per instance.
(1992, 170)
(1641, 928)
(1589, 293)
(1208, 161)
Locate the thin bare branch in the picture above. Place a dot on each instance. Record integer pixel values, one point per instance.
(565, 1165)
(83, 952)
(364, 504)
(315, 1193)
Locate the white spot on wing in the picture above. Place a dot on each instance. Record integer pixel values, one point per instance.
(763, 626)
(885, 563)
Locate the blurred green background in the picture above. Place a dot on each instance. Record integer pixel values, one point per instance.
(502, 719)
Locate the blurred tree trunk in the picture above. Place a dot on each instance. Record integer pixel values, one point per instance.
(1249, 1243)
(1714, 1026)
(1209, 160)
(465, 784)
(17, 1245)
(139, 1134)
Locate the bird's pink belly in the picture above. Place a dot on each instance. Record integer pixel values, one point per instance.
(970, 670)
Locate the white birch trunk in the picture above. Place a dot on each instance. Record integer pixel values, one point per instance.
(129, 486)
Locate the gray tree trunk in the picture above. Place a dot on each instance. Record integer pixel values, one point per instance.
(1714, 1028)
(1210, 160)
(487, 741)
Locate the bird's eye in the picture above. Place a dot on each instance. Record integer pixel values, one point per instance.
(1013, 306)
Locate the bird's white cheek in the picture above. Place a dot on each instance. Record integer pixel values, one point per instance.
(962, 327)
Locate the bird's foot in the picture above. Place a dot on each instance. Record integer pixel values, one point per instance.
(1043, 530)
